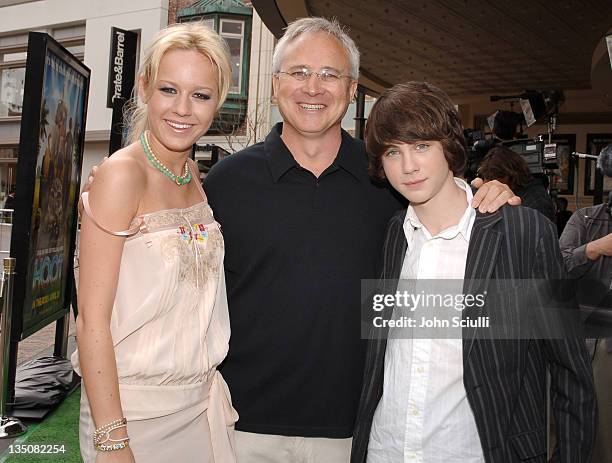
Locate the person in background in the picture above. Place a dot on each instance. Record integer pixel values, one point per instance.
(563, 215)
(471, 398)
(507, 166)
(153, 322)
(10, 201)
(586, 244)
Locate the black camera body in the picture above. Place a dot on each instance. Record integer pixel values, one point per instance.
(539, 156)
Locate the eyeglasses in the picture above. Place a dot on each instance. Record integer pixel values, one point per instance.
(326, 75)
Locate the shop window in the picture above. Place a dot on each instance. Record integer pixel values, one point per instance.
(210, 22)
(232, 20)
(13, 56)
(232, 32)
(8, 176)
(12, 80)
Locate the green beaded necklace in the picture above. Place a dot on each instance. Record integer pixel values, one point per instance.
(178, 179)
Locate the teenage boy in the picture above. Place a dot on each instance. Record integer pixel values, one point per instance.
(473, 399)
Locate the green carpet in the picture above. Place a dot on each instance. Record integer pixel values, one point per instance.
(60, 428)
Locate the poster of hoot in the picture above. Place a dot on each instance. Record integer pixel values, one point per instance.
(56, 183)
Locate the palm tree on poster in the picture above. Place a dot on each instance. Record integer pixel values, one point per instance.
(44, 112)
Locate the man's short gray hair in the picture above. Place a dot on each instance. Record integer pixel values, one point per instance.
(312, 25)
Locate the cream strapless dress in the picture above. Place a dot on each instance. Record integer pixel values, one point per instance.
(170, 330)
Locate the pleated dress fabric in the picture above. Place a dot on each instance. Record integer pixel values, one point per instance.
(170, 330)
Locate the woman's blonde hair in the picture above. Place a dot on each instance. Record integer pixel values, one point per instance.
(186, 36)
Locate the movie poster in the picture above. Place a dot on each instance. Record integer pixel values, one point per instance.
(56, 184)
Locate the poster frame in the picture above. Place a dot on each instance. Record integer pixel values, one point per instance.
(24, 237)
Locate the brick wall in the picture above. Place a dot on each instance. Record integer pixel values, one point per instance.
(174, 6)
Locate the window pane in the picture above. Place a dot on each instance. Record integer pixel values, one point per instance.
(8, 57)
(76, 49)
(11, 91)
(8, 177)
(210, 22)
(231, 27)
(69, 32)
(234, 45)
(14, 41)
(10, 152)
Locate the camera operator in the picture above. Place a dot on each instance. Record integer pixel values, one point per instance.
(503, 164)
(586, 244)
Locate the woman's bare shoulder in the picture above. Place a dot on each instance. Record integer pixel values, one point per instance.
(119, 183)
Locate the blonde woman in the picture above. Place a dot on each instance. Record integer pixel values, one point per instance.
(153, 322)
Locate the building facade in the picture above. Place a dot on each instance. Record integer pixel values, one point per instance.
(246, 117)
(84, 28)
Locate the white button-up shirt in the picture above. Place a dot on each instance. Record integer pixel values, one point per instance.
(423, 415)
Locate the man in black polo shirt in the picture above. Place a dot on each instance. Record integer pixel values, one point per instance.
(302, 225)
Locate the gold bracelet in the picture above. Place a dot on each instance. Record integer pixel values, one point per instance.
(118, 445)
(102, 434)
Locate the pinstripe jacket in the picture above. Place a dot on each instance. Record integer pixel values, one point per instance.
(505, 380)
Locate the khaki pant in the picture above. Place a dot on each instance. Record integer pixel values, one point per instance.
(270, 448)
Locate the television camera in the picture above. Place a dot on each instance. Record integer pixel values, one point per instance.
(539, 153)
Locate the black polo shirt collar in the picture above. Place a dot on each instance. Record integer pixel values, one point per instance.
(350, 157)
